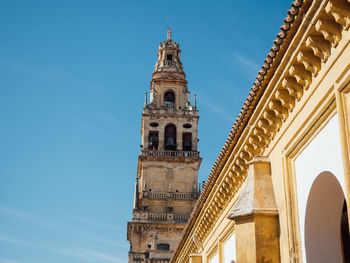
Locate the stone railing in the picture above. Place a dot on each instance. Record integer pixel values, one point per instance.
(169, 63)
(155, 195)
(168, 109)
(181, 218)
(180, 195)
(135, 257)
(138, 257)
(160, 217)
(159, 260)
(175, 195)
(185, 154)
(157, 217)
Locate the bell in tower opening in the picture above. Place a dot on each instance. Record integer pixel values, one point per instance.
(169, 98)
(170, 137)
(166, 181)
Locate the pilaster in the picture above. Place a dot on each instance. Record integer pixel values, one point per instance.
(256, 216)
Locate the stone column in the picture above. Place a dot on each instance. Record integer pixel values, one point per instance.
(256, 216)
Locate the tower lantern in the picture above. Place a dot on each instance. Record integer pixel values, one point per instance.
(166, 185)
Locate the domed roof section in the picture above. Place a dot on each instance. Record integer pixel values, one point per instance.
(169, 56)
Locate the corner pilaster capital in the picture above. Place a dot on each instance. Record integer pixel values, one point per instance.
(257, 195)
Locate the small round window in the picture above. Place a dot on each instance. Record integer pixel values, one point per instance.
(187, 125)
(154, 124)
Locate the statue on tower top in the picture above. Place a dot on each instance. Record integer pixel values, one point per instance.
(169, 33)
(169, 30)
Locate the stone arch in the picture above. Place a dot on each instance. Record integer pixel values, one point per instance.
(323, 217)
(169, 98)
(170, 137)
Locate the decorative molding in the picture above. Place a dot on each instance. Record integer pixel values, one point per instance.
(317, 46)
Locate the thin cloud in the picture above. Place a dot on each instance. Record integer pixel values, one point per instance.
(30, 218)
(78, 253)
(97, 239)
(31, 70)
(5, 260)
(216, 108)
(91, 222)
(114, 135)
(99, 255)
(247, 63)
(24, 216)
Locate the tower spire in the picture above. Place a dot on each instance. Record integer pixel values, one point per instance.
(168, 30)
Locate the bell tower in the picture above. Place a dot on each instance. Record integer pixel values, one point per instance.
(166, 186)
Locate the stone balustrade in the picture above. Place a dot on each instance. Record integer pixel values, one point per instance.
(174, 195)
(159, 260)
(185, 154)
(160, 217)
(169, 63)
(137, 257)
(164, 110)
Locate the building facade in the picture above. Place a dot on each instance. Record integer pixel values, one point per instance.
(166, 186)
(280, 188)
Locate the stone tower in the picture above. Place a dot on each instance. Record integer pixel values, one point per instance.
(166, 186)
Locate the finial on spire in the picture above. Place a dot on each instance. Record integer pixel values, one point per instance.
(195, 101)
(169, 30)
(136, 196)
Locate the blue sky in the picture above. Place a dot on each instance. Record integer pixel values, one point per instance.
(72, 81)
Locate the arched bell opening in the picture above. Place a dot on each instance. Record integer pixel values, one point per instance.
(170, 137)
(326, 233)
(169, 98)
(187, 141)
(153, 140)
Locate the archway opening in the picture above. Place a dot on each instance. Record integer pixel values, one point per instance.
(170, 137)
(169, 98)
(324, 241)
(153, 140)
(187, 141)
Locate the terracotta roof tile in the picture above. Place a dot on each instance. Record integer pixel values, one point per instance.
(253, 96)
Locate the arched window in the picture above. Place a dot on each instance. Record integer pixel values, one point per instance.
(163, 247)
(170, 137)
(169, 98)
(187, 141)
(153, 140)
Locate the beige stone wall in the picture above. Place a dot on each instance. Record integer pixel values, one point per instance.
(169, 176)
(309, 86)
(145, 237)
(163, 121)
